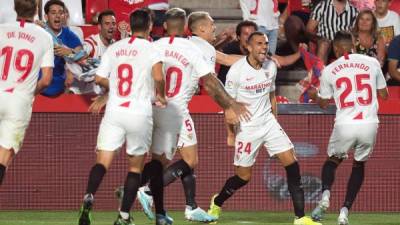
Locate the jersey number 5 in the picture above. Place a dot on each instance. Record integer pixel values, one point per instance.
(23, 62)
(361, 85)
(125, 77)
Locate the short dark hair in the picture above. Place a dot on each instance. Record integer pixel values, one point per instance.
(343, 36)
(140, 20)
(25, 8)
(246, 23)
(255, 33)
(53, 2)
(107, 12)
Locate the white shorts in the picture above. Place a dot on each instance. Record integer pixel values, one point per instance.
(172, 130)
(135, 129)
(360, 137)
(249, 140)
(15, 114)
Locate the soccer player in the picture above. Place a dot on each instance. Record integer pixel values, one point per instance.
(251, 80)
(25, 48)
(353, 81)
(184, 66)
(127, 70)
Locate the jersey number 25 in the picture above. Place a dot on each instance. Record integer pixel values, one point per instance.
(361, 85)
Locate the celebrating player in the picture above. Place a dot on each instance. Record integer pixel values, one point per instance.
(25, 48)
(252, 80)
(353, 81)
(184, 66)
(126, 70)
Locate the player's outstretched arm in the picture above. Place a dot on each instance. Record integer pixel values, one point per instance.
(234, 111)
(159, 84)
(47, 77)
(227, 60)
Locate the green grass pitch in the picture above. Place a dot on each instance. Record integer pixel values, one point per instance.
(231, 218)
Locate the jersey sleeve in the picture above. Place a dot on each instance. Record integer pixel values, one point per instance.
(48, 58)
(154, 56)
(232, 82)
(104, 69)
(88, 47)
(326, 89)
(380, 78)
(201, 67)
(316, 13)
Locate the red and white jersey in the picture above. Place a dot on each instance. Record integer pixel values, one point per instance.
(183, 66)
(128, 66)
(94, 46)
(24, 49)
(253, 87)
(353, 81)
(208, 51)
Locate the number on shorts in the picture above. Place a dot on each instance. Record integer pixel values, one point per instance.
(125, 76)
(360, 86)
(188, 125)
(23, 62)
(177, 72)
(247, 148)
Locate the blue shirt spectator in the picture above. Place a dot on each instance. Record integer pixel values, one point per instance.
(393, 61)
(69, 39)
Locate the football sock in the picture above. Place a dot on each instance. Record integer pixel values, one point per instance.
(328, 174)
(148, 171)
(2, 172)
(232, 184)
(189, 186)
(131, 187)
(354, 184)
(157, 186)
(295, 189)
(95, 177)
(177, 169)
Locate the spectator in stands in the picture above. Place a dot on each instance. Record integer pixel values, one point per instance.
(95, 45)
(327, 18)
(388, 20)
(367, 40)
(393, 61)
(66, 44)
(266, 15)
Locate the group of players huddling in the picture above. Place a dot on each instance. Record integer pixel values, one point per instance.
(148, 87)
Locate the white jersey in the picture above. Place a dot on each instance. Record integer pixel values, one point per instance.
(353, 82)
(183, 66)
(208, 51)
(128, 66)
(253, 87)
(25, 48)
(94, 46)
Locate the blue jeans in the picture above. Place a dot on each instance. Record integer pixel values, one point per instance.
(272, 38)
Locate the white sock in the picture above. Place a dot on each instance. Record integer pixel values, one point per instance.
(326, 195)
(344, 211)
(124, 215)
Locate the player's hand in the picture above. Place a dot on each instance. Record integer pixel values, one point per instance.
(160, 102)
(241, 111)
(312, 92)
(304, 46)
(98, 104)
(62, 51)
(276, 61)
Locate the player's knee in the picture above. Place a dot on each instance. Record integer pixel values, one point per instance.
(244, 174)
(192, 162)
